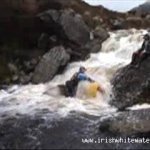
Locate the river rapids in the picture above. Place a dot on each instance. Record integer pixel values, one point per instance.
(31, 99)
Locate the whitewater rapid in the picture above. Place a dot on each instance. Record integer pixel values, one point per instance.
(46, 100)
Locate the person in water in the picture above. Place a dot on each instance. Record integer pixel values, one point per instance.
(72, 84)
(143, 52)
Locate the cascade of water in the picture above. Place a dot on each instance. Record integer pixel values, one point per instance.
(32, 99)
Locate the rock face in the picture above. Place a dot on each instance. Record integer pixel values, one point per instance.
(43, 25)
(75, 28)
(132, 85)
(50, 64)
(128, 123)
(97, 37)
(69, 26)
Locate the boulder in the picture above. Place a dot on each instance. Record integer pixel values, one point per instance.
(94, 46)
(96, 38)
(74, 27)
(131, 85)
(101, 33)
(70, 27)
(70, 24)
(117, 25)
(50, 64)
(128, 123)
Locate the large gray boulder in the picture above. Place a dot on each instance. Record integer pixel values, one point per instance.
(131, 85)
(50, 64)
(71, 27)
(97, 37)
(74, 27)
(69, 23)
(128, 122)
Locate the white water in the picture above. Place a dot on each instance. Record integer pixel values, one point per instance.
(33, 99)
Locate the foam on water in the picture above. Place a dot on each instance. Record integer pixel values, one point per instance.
(33, 99)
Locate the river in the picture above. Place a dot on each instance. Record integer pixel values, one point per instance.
(46, 101)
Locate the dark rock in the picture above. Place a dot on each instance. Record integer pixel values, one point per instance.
(5, 72)
(15, 78)
(43, 41)
(70, 27)
(117, 25)
(25, 79)
(50, 64)
(97, 37)
(132, 85)
(128, 122)
(101, 33)
(74, 27)
(26, 132)
(34, 61)
(94, 46)
(12, 68)
(69, 23)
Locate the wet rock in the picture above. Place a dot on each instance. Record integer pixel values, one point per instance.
(15, 78)
(50, 64)
(128, 123)
(131, 85)
(94, 46)
(97, 37)
(25, 79)
(72, 132)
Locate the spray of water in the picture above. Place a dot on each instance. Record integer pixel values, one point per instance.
(33, 99)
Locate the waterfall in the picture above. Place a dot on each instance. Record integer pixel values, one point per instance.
(36, 99)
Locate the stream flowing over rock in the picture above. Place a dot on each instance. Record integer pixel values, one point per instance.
(43, 43)
(39, 116)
